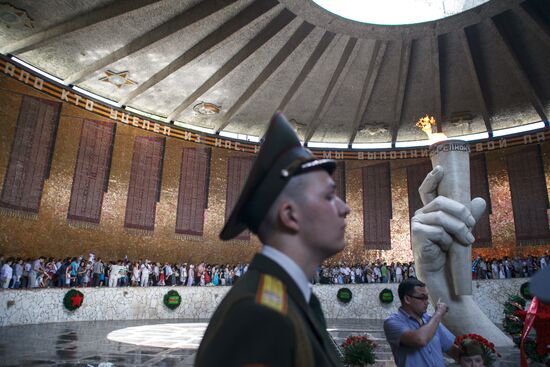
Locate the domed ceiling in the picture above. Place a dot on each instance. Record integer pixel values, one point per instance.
(227, 65)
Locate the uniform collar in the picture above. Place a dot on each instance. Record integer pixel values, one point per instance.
(290, 266)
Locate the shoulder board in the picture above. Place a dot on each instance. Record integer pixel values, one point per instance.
(272, 293)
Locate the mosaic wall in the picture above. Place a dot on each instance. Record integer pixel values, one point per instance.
(51, 234)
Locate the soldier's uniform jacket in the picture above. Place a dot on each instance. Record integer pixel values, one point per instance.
(265, 321)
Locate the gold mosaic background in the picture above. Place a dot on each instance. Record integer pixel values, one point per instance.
(51, 235)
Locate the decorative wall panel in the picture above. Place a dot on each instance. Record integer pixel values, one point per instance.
(91, 173)
(145, 183)
(51, 234)
(30, 157)
(377, 208)
(339, 177)
(529, 195)
(415, 176)
(237, 172)
(193, 191)
(479, 187)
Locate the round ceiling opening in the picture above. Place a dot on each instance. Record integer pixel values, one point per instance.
(396, 12)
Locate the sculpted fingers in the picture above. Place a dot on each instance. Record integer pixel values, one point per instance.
(429, 232)
(477, 207)
(449, 224)
(427, 251)
(428, 189)
(454, 208)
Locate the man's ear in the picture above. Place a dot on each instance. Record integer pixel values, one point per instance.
(288, 216)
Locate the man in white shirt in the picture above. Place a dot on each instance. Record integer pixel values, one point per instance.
(145, 271)
(6, 273)
(114, 274)
(36, 272)
(17, 273)
(398, 273)
(168, 274)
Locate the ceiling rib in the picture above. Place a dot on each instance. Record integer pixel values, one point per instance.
(293, 42)
(246, 16)
(180, 21)
(482, 101)
(72, 24)
(519, 70)
(405, 60)
(534, 25)
(331, 90)
(436, 67)
(283, 19)
(533, 21)
(306, 70)
(368, 86)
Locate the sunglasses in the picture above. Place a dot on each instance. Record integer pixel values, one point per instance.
(422, 297)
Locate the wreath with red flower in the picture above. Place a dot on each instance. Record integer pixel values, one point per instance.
(358, 350)
(488, 349)
(73, 299)
(514, 319)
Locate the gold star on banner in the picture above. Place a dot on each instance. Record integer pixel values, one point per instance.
(119, 79)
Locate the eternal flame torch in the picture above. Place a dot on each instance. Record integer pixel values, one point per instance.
(454, 157)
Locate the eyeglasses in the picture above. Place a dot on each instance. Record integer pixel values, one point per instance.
(423, 297)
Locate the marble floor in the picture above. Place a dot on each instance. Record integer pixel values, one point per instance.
(167, 343)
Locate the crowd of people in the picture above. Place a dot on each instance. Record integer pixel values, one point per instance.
(515, 267)
(79, 272)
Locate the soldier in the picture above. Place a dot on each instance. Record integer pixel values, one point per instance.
(270, 317)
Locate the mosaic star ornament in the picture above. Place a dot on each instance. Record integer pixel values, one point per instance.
(119, 79)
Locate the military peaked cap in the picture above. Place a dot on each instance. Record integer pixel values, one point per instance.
(540, 285)
(281, 157)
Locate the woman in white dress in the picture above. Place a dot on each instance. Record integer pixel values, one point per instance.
(135, 274)
(191, 275)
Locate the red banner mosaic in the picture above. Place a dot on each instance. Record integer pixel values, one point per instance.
(145, 183)
(529, 196)
(377, 209)
(479, 187)
(31, 156)
(237, 172)
(91, 173)
(193, 191)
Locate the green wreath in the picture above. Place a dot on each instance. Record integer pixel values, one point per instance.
(344, 295)
(172, 299)
(386, 296)
(512, 324)
(525, 291)
(73, 299)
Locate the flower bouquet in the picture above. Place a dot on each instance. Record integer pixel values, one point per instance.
(474, 344)
(358, 351)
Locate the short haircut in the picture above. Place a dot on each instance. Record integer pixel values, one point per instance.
(293, 190)
(407, 286)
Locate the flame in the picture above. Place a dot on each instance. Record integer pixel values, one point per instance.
(425, 124)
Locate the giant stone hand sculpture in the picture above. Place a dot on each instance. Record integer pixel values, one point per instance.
(441, 225)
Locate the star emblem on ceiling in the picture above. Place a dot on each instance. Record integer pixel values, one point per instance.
(15, 17)
(119, 79)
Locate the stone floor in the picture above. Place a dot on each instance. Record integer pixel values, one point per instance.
(167, 343)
